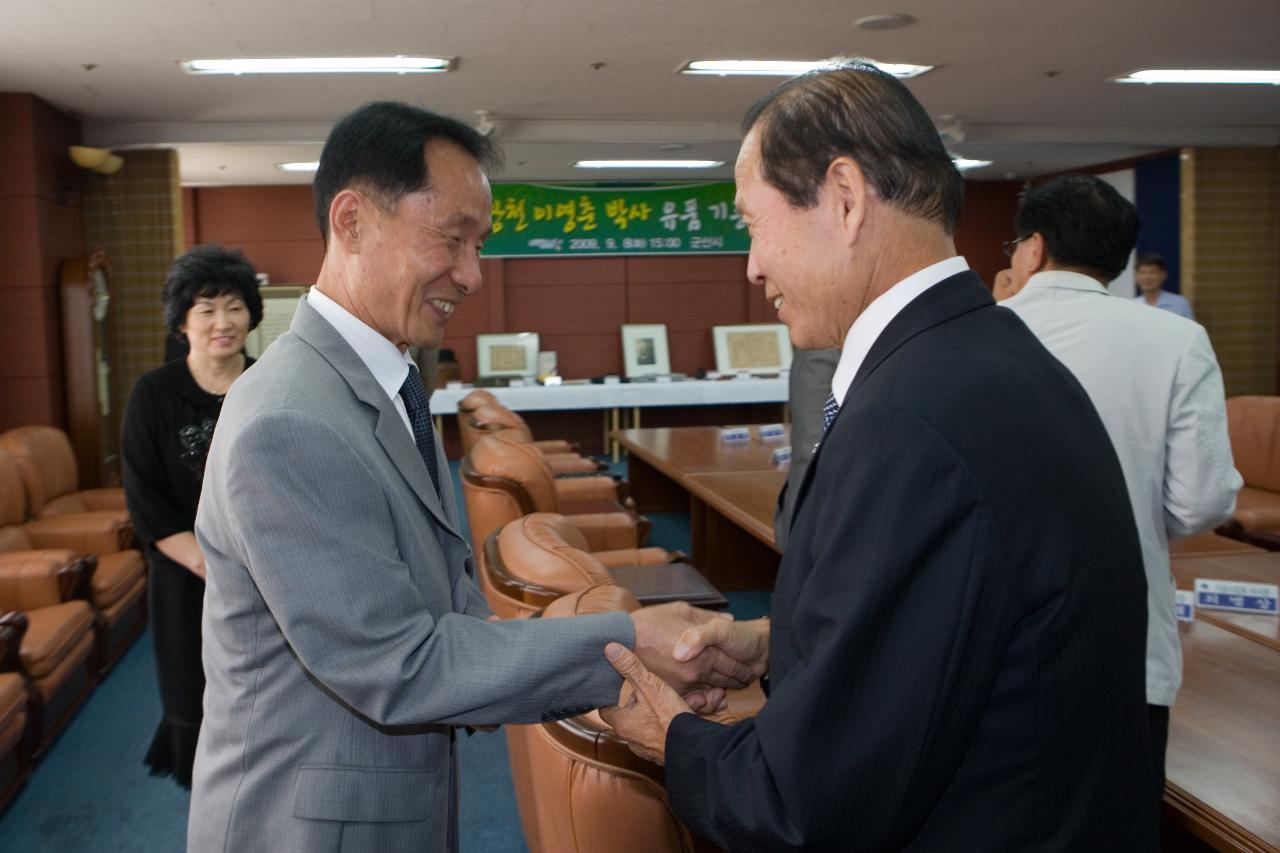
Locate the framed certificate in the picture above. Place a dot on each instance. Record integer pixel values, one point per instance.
(507, 355)
(753, 348)
(644, 350)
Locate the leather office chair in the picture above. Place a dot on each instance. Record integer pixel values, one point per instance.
(535, 559)
(504, 478)
(603, 797)
(49, 469)
(1253, 424)
(115, 581)
(15, 717)
(490, 419)
(480, 399)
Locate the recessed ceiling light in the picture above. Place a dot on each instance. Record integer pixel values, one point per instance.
(786, 68)
(964, 164)
(310, 166)
(1212, 75)
(322, 65)
(647, 164)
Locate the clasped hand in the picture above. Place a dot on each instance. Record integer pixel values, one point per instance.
(708, 656)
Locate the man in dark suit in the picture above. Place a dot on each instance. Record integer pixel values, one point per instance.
(955, 657)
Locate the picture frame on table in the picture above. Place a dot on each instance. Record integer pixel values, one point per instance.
(752, 348)
(512, 354)
(644, 350)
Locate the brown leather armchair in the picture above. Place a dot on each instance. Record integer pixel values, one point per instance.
(15, 701)
(115, 581)
(1253, 424)
(492, 418)
(535, 559)
(504, 478)
(604, 797)
(49, 470)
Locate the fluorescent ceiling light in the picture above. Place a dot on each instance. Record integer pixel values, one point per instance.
(1215, 75)
(321, 65)
(783, 68)
(964, 164)
(299, 167)
(647, 164)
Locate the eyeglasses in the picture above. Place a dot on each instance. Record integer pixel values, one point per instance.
(453, 243)
(1011, 246)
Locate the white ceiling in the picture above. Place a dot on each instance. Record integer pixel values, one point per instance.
(1027, 78)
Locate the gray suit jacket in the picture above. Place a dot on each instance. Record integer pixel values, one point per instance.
(808, 389)
(344, 636)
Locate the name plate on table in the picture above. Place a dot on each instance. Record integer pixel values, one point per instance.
(453, 384)
(782, 456)
(1184, 605)
(772, 432)
(735, 434)
(552, 381)
(1238, 596)
(613, 380)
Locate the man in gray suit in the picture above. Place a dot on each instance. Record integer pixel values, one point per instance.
(345, 638)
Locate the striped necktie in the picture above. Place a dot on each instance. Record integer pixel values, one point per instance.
(415, 401)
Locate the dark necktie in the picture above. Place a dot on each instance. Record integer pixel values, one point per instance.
(415, 401)
(829, 411)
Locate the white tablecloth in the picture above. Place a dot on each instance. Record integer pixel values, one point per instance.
(692, 392)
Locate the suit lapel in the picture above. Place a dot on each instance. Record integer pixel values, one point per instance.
(390, 431)
(950, 298)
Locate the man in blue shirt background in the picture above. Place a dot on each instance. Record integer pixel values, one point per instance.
(1150, 274)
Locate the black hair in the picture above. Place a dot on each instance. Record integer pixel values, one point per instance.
(380, 149)
(208, 271)
(853, 109)
(1085, 223)
(1151, 259)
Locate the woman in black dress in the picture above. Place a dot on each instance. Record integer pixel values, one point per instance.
(210, 298)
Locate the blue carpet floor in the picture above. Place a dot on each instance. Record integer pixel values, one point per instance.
(91, 791)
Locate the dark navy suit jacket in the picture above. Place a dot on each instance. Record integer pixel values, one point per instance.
(959, 621)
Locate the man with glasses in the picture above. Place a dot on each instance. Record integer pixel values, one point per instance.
(1153, 378)
(344, 635)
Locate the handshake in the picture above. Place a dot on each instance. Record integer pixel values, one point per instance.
(684, 660)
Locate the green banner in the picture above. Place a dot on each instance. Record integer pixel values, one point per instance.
(676, 219)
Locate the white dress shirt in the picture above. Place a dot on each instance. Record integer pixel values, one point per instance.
(872, 321)
(1155, 382)
(384, 359)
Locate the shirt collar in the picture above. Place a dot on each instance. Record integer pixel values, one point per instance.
(384, 359)
(1063, 279)
(871, 322)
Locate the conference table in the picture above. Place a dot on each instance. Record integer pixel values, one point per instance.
(729, 489)
(1222, 768)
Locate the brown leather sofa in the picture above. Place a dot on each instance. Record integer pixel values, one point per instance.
(49, 470)
(115, 582)
(1253, 424)
(491, 418)
(15, 716)
(504, 478)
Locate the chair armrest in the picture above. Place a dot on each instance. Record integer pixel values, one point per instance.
(34, 579)
(566, 463)
(13, 626)
(556, 445)
(607, 531)
(587, 489)
(110, 498)
(82, 532)
(637, 557)
(740, 704)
